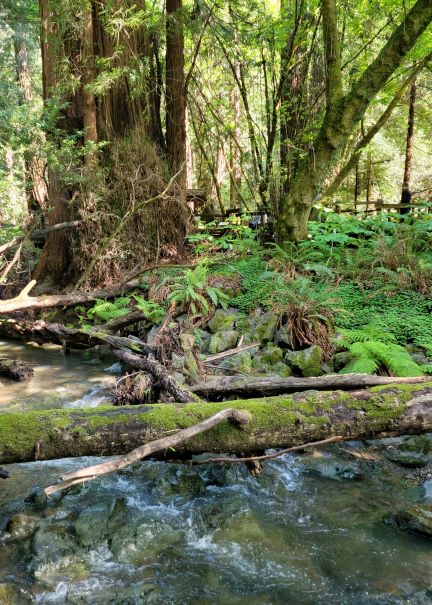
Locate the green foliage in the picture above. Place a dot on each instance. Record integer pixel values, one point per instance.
(154, 312)
(192, 293)
(109, 310)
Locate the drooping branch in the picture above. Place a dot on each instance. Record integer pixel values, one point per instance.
(38, 234)
(277, 422)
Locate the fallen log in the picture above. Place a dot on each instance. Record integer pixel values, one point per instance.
(24, 302)
(16, 370)
(238, 417)
(275, 422)
(246, 386)
(130, 350)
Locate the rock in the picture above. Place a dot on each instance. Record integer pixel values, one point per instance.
(11, 595)
(21, 527)
(137, 543)
(53, 542)
(281, 369)
(223, 341)
(178, 361)
(281, 337)
(421, 444)
(332, 468)
(306, 362)
(328, 368)
(152, 335)
(116, 369)
(202, 340)
(416, 519)
(240, 361)
(179, 377)
(427, 487)
(341, 360)
(222, 321)
(261, 328)
(407, 459)
(271, 354)
(92, 525)
(420, 359)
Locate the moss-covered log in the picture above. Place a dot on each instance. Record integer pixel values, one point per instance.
(276, 422)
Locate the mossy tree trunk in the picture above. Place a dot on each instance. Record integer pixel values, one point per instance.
(343, 112)
(275, 422)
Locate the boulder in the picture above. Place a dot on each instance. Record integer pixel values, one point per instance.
(241, 362)
(407, 459)
(222, 321)
(261, 328)
(21, 527)
(271, 354)
(341, 360)
(416, 519)
(223, 341)
(306, 362)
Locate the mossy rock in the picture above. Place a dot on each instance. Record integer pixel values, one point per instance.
(21, 527)
(261, 328)
(421, 444)
(416, 519)
(306, 362)
(11, 595)
(341, 360)
(221, 321)
(407, 459)
(223, 341)
(271, 354)
(241, 362)
(281, 369)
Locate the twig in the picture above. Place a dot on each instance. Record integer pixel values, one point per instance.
(296, 448)
(91, 472)
(231, 352)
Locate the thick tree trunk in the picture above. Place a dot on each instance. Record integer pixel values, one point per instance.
(343, 114)
(274, 423)
(175, 92)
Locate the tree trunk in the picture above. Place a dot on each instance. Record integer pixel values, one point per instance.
(277, 422)
(342, 115)
(36, 189)
(175, 92)
(406, 185)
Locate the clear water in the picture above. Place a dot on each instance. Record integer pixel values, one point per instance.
(168, 534)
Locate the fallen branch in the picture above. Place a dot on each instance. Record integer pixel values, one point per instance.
(238, 417)
(231, 352)
(276, 422)
(278, 454)
(35, 235)
(273, 385)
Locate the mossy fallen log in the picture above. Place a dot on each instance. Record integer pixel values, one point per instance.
(276, 422)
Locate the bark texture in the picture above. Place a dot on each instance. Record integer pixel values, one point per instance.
(277, 422)
(340, 120)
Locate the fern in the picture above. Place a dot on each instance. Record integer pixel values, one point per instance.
(107, 310)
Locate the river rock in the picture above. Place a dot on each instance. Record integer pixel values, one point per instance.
(21, 527)
(53, 542)
(332, 468)
(116, 369)
(222, 321)
(306, 362)
(223, 341)
(92, 525)
(416, 519)
(11, 595)
(407, 459)
(136, 543)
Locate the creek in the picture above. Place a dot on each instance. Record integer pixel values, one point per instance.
(308, 531)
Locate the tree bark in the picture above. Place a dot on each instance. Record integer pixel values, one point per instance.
(175, 92)
(278, 422)
(246, 386)
(339, 123)
(406, 185)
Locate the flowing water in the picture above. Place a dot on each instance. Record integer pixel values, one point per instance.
(308, 531)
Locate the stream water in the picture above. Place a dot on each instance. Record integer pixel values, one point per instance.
(308, 531)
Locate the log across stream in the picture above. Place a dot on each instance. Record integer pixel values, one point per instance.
(275, 422)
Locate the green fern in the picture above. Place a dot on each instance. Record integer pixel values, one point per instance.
(370, 354)
(155, 313)
(191, 291)
(107, 310)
